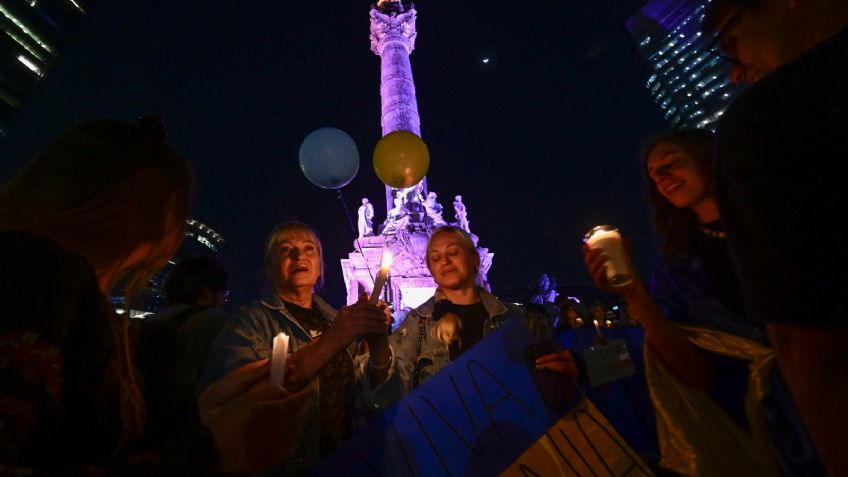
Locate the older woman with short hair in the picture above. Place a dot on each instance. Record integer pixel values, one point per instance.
(323, 341)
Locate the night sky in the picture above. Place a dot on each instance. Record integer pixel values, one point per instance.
(540, 141)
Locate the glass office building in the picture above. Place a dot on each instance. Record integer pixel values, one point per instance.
(200, 240)
(688, 82)
(33, 32)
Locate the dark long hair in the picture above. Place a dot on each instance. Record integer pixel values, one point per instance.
(103, 189)
(677, 226)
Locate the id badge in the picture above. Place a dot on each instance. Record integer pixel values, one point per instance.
(606, 363)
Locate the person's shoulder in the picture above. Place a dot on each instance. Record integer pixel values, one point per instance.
(29, 251)
(207, 314)
(203, 320)
(411, 319)
(46, 288)
(426, 308)
(217, 312)
(534, 316)
(253, 309)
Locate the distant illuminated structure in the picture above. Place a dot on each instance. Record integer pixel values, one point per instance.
(689, 83)
(32, 33)
(199, 240)
(412, 212)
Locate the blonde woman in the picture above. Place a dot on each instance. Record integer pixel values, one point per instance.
(459, 315)
(102, 208)
(323, 347)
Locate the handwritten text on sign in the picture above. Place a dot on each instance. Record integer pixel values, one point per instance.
(474, 418)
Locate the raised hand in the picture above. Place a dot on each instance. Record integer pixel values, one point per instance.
(360, 319)
(596, 264)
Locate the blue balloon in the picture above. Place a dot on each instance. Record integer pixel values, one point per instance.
(329, 158)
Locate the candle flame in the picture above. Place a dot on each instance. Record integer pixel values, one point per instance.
(386, 261)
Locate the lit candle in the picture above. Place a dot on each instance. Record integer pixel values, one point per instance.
(382, 275)
(279, 353)
(597, 328)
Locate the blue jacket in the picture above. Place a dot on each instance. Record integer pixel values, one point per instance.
(249, 336)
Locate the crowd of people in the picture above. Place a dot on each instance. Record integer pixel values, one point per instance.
(744, 376)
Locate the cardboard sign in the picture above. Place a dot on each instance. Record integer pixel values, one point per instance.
(582, 443)
(609, 362)
(476, 417)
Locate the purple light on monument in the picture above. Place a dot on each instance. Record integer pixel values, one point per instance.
(415, 212)
(393, 39)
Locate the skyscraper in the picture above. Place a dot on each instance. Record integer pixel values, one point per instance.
(413, 213)
(688, 81)
(33, 33)
(200, 240)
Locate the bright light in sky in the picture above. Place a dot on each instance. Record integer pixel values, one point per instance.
(485, 60)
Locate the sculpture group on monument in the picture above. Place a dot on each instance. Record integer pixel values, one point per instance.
(411, 209)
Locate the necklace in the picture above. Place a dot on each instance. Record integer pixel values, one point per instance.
(716, 234)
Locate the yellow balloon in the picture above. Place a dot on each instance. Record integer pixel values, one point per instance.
(401, 159)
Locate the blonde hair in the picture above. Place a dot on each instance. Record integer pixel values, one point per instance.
(447, 328)
(464, 240)
(287, 230)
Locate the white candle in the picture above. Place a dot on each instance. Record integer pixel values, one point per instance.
(382, 275)
(597, 328)
(279, 353)
(608, 239)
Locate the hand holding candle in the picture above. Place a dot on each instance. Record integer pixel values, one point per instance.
(600, 338)
(279, 353)
(608, 239)
(382, 276)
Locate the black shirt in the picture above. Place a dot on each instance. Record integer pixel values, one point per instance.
(337, 383)
(722, 282)
(473, 318)
(779, 194)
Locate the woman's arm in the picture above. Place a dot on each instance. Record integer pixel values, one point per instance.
(689, 364)
(361, 319)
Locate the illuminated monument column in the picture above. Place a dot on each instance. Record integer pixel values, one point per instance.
(413, 213)
(393, 39)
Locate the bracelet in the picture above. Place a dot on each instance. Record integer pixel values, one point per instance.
(374, 367)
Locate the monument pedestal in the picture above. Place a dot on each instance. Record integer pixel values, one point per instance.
(410, 283)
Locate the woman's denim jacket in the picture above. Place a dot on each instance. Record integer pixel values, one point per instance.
(249, 336)
(434, 354)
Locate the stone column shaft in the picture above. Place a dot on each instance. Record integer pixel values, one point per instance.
(393, 39)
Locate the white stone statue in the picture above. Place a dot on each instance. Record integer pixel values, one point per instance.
(434, 209)
(546, 291)
(461, 214)
(366, 218)
(397, 216)
(546, 296)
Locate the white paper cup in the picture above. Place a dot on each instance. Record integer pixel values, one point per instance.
(607, 238)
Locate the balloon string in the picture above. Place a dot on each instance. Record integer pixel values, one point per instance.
(355, 233)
